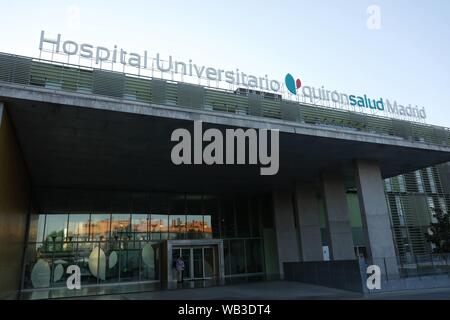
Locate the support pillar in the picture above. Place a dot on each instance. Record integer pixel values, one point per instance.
(308, 222)
(337, 217)
(375, 217)
(287, 241)
(15, 194)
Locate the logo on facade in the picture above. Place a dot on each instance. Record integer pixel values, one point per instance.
(234, 146)
(374, 277)
(291, 84)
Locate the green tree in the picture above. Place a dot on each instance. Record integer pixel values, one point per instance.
(439, 232)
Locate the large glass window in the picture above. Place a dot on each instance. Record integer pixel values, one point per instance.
(130, 262)
(114, 237)
(120, 226)
(177, 226)
(39, 224)
(237, 256)
(139, 224)
(78, 227)
(159, 226)
(253, 256)
(194, 227)
(100, 226)
(207, 227)
(56, 228)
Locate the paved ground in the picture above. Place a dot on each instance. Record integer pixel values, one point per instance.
(422, 294)
(277, 290)
(273, 290)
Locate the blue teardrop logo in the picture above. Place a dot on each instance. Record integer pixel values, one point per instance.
(291, 84)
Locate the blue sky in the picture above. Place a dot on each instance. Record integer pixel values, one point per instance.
(322, 42)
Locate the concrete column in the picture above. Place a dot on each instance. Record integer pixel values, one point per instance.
(14, 207)
(338, 222)
(287, 240)
(375, 216)
(308, 221)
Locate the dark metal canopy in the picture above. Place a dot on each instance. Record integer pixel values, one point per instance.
(78, 147)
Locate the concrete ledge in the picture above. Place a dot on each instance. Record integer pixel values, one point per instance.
(30, 93)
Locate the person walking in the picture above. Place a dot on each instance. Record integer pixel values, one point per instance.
(179, 265)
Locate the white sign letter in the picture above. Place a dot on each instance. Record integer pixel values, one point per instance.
(374, 280)
(374, 20)
(74, 280)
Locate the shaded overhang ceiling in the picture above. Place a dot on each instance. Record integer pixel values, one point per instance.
(78, 147)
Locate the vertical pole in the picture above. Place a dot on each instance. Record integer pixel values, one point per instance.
(385, 270)
(98, 262)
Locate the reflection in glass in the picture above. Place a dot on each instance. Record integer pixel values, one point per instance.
(120, 226)
(177, 226)
(130, 260)
(58, 272)
(56, 228)
(97, 263)
(41, 226)
(150, 261)
(112, 265)
(194, 226)
(81, 259)
(207, 227)
(36, 229)
(40, 274)
(78, 227)
(130, 243)
(159, 223)
(139, 226)
(159, 226)
(112, 260)
(100, 224)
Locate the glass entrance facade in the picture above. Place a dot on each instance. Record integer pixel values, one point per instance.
(201, 262)
(116, 237)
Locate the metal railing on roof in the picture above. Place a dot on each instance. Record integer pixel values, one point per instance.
(85, 80)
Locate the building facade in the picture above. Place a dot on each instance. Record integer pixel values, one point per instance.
(86, 180)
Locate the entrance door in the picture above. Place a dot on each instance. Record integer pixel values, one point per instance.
(199, 262)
